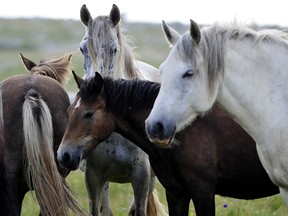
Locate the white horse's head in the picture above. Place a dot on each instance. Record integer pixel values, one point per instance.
(185, 88)
(100, 45)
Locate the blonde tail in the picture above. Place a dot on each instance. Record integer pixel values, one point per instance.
(154, 206)
(52, 193)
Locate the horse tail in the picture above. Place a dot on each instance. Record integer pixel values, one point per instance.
(41, 174)
(154, 206)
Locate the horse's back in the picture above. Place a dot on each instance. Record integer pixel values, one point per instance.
(148, 71)
(15, 88)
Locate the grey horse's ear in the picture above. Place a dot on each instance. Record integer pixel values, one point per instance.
(172, 35)
(98, 82)
(85, 15)
(115, 15)
(77, 79)
(27, 62)
(195, 32)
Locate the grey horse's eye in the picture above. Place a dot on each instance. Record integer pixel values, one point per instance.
(188, 74)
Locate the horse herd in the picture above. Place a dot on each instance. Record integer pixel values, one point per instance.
(123, 126)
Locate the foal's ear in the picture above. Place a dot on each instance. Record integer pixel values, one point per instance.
(27, 62)
(85, 15)
(115, 15)
(77, 79)
(98, 82)
(195, 32)
(172, 35)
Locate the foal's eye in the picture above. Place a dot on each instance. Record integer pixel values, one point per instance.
(88, 114)
(188, 74)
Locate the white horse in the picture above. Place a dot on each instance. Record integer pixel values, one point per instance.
(244, 71)
(105, 50)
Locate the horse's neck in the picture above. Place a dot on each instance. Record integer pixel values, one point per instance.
(131, 125)
(255, 90)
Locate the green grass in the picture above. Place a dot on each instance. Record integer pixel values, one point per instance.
(121, 196)
(41, 39)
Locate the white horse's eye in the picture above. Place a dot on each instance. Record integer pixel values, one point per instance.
(188, 74)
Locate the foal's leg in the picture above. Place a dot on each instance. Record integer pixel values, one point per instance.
(94, 185)
(106, 207)
(140, 182)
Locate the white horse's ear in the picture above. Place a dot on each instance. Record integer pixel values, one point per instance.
(171, 34)
(195, 32)
(85, 15)
(115, 15)
(27, 63)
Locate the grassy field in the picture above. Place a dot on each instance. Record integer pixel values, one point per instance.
(41, 39)
(121, 196)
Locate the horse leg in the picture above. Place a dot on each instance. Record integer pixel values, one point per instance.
(177, 205)
(140, 183)
(106, 207)
(203, 196)
(284, 194)
(17, 190)
(94, 185)
(9, 196)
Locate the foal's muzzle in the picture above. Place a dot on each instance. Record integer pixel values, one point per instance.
(68, 158)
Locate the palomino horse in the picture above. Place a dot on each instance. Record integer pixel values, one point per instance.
(35, 117)
(106, 50)
(245, 72)
(214, 156)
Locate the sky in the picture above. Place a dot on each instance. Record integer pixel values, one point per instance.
(271, 12)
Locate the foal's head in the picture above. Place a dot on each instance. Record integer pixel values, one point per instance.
(89, 123)
(58, 68)
(101, 44)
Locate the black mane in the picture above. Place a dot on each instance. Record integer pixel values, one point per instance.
(122, 96)
(88, 91)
